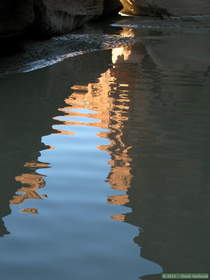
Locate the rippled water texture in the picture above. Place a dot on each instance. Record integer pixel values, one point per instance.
(105, 163)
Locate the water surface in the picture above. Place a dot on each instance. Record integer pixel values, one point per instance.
(104, 163)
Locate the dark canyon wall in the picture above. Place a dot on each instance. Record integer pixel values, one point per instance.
(50, 17)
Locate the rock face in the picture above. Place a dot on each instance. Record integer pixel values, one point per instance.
(112, 7)
(57, 17)
(15, 17)
(158, 7)
(185, 7)
(49, 17)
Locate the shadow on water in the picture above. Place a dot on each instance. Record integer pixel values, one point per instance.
(28, 104)
(152, 105)
(171, 150)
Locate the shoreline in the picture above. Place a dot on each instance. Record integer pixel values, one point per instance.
(34, 54)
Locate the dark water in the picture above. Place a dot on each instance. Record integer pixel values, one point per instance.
(105, 163)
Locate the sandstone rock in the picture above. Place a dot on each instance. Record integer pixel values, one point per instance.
(50, 17)
(166, 7)
(57, 17)
(143, 8)
(132, 6)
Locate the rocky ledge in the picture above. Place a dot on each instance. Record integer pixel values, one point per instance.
(49, 17)
(163, 8)
(53, 17)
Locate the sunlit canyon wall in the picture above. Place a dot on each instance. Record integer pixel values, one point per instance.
(177, 8)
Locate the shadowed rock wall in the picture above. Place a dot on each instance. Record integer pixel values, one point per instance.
(50, 17)
(15, 17)
(56, 17)
(111, 7)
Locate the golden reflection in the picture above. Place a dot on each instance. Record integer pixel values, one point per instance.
(95, 97)
(106, 104)
(30, 210)
(30, 184)
(127, 32)
(118, 199)
(35, 164)
(119, 217)
(121, 53)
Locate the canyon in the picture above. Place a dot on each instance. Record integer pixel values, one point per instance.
(45, 18)
(49, 17)
(165, 7)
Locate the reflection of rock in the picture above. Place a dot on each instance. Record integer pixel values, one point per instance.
(119, 199)
(118, 217)
(30, 210)
(3, 229)
(189, 49)
(120, 177)
(121, 53)
(28, 104)
(161, 178)
(94, 96)
(170, 153)
(34, 182)
(35, 164)
(107, 102)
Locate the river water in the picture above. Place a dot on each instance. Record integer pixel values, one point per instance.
(105, 161)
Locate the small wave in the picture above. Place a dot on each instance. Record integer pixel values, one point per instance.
(44, 54)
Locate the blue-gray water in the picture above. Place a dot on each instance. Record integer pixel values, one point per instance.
(104, 163)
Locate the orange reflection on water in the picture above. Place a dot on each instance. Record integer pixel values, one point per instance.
(119, 217)
(95, 97)
(35, 164)
(118, 199)
(31, 183)
(106, 104)
(121, 53)
(30, 210)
